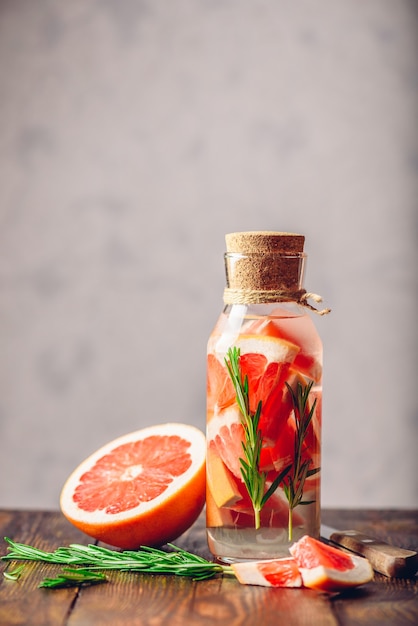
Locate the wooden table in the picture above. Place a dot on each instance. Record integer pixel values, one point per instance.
(140, 599)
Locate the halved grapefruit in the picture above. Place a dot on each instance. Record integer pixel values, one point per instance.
(145, 488)
(327, 568)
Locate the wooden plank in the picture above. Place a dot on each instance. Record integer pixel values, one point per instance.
(385, 600)
(397, 527)
(237, 604)
(21, 602)
(140, 600)
(134, 599)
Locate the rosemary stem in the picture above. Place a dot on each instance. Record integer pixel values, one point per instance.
(256, 518)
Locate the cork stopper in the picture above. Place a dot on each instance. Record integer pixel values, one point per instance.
(260, 242)
(264, 261)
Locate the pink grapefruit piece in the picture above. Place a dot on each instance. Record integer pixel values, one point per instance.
(225, 434)
(220, 480)
(264, 361)
(219, 388)
(326, 568)
(298, 330)
(145, 488)
(270, 573)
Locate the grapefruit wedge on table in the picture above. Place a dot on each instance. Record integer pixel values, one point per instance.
(313, 564)
(145, 488)
(326, 568)
(270, 573)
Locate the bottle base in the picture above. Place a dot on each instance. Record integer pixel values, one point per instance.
(231, 545)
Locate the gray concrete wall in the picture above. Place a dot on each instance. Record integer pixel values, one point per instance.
(133, 135)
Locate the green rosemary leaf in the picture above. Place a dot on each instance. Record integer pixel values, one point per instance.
(14, 574)
(311, 472)
(71, 577)
(294, 483)
(274, 485)
(246, 466)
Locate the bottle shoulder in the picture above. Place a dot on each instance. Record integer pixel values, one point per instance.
(252, 318)
(284, 320)
(294, 336)
(271, 309)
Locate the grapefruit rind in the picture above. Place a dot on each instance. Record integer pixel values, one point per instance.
(151, 523)
(275, 349)
(327, 579)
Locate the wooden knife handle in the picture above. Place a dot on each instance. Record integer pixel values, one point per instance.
(383, 557)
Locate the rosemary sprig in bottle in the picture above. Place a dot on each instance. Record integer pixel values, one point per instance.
(294, 482)
(254, 479)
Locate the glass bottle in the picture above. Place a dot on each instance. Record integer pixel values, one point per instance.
(264, 390)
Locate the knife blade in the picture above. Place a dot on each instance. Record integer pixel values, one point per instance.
(384, 558)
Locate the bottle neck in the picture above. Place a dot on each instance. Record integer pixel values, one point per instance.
(254, 278)
(271, 309)
(269, 279)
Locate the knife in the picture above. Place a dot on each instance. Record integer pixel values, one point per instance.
(384, 558)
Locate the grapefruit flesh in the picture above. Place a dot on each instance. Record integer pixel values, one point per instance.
(220, 482)
(271, 573)
(298, 330)
(145, 488)
(219, 387)
(326, 568)
(225, 435)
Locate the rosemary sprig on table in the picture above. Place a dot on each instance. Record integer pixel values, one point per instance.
(73, 577)
(254, 479)
(294, 482)
(148, 560)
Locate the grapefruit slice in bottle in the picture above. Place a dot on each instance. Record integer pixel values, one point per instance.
(265, 361)
(144, 488)
(220, 481)
(298, 330)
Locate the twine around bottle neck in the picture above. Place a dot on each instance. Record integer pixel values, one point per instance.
(260, 296)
